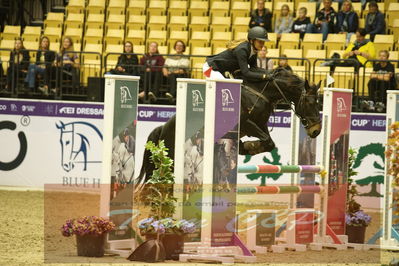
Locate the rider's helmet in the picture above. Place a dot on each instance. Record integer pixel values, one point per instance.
(126, 132)
(257, 33)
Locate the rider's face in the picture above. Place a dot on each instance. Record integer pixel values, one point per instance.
(258, 44)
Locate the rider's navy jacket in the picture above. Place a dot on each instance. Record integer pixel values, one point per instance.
(236, 59)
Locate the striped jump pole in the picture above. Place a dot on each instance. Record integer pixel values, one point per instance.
(268, 169)
(280, 189)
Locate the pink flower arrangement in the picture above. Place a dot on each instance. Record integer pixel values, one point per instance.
(87, 225)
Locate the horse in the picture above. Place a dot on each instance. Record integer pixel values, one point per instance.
(258, 101)
(74, 142)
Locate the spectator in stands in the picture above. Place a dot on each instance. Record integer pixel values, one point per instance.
(44, 60)
(176, 66)
(324, 21)
(301, 23)
(152, 76)
(127, 62)
(360, 50)
(283, 63)
(263, 61)
(19, 63)
(382, 79)
(69, 62)
(347, 20)
(375, 21)
(261, 17)
(284, 22)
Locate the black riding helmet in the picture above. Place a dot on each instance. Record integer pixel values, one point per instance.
(258, 33)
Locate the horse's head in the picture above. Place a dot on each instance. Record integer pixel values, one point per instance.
(307, 108)
(66, 140)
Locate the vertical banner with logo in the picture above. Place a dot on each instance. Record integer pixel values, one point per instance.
(335, 137)
(120, 114)
(189, 151)
(220, 163)
(390, 231)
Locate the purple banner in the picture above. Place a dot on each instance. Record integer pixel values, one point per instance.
(368, 122)
(280, 119)
(155, 113)
(47, 108)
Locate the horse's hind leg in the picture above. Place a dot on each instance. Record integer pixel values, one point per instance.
(264, 144)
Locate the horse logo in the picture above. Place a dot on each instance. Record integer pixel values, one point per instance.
(341, 106)
(75, 145)
(227, 98)
(125, 94)
(197, 98)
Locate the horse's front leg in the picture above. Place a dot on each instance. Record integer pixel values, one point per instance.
(264, 144)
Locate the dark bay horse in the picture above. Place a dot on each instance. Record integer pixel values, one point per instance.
(258, 101)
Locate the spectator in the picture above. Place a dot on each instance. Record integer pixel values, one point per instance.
(361, 49)
(19, 63)
(69, 62)
(176, 67)
(127, 62)
(301, 23)
(382, 79)
(44, 61)
(283, 63)
(152, 63)
(263, 61)
(261, 17)
(347, 20)
(324, 21)
(375, 22)
(284, 22)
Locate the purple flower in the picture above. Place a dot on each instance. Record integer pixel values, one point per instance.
(359, 218)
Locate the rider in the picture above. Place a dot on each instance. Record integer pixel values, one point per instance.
(129, 141)
(240, 55)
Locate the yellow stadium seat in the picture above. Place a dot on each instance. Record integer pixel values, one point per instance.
(357, 7)
(114, 36)
(178, 23)
(205, 51)
(293, 53)
(136, 22)
(240, 9)
(335, 42)
(94, 36)
(320, 74)
(240, 35)
(177, 35)
(393, 55)
(299, 70)
(340, 52)
(93, 47)
(95, 20)
(137, 7)
(117, 7)
(198, 8)
(335, 5)
(218, 50)
(137, 37)
(312, 55)
(364, 78)
(273, 53)
(54, 34)
(289, 41)
(77, 46)
(156, 8)
(220, 24)
(115, 21)
(219, 9)
(177, 8)
(202, 52)
(220, 39)
(139, 49)
(311, 9)
(383, 42)
(344, 77)
(74, 20)
(93, 59)
(312, 41)
(271, 44)
(31, 33)
(240, 24)
(11, 32)
(75, 34)
(55, 46)
(156, 23)
(112, 59)
(163, 49)
(394, 29)
(200, 39)
(158, 36)
(54, 19)
(198, 23)
(32, 45)
(75, 6)
(96, 7)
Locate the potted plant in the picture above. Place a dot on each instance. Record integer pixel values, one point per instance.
(161, 224)
(356, 220)
(392, 154)
(90, 234)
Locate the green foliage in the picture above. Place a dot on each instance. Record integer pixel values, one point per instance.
(351, 205)
(161, 182)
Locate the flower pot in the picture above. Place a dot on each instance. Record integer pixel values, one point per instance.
(173, 244)
(90, 245)
(356, 234)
